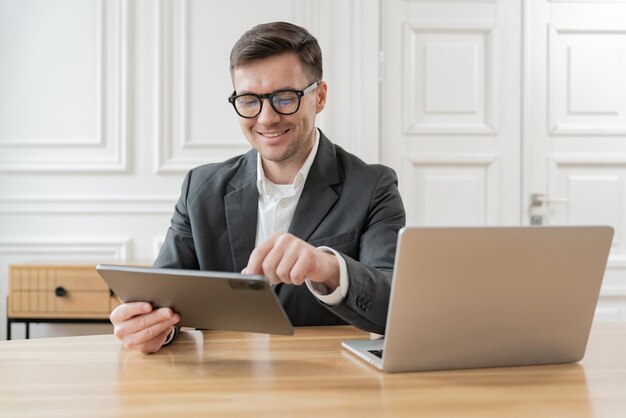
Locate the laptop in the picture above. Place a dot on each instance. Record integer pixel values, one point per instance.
(490, 297)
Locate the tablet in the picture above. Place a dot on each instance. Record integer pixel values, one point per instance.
(203, 299)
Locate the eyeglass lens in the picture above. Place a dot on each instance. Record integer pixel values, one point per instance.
(285, 102)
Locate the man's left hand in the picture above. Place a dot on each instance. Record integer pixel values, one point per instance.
(284, 258)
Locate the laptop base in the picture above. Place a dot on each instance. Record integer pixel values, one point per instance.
(363, 349)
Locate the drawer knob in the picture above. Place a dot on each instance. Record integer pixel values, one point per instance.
(60, 291)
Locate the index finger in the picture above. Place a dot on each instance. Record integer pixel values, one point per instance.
(258, 255)
(126, 311)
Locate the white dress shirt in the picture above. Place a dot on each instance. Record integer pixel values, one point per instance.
(277, 204)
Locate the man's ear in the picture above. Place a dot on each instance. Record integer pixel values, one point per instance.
(322, 91)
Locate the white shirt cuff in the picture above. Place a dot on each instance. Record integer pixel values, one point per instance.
(320, 290)
(169, 338)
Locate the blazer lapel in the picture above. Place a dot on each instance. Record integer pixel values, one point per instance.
(318, 197)
(240, 205)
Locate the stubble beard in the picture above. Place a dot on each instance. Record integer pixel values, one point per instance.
(297, 150)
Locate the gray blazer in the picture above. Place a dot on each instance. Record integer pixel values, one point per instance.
(346, 204)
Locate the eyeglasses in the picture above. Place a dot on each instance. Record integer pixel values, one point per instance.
(284, 102)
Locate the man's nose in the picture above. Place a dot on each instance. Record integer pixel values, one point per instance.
(268, 115)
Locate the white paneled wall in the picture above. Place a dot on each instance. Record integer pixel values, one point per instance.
(64, 106)
(105, 105)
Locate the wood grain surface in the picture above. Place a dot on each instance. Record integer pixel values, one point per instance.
(232, 374)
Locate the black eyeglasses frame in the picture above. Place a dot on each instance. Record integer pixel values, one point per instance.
(299, 93)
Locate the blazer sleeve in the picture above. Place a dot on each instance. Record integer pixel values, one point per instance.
(367, 300)
(178, 250)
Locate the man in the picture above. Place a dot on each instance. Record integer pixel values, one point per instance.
(318, 222)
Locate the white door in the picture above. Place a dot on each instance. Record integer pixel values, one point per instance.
(575, 125)
(451, 109)
(468, 153)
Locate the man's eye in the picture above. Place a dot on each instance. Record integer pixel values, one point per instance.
(285, 99)
(247, 102)
(285, 102)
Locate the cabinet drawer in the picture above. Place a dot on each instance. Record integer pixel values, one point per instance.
(84, 302)
(24, 278)
(80, 280)
(82, 293)
(44, 302)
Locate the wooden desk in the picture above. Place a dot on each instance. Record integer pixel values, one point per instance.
(229, 374)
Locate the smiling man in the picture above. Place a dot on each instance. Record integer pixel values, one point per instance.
(318, 222)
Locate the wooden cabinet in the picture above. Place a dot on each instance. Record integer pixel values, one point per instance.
(57, 292)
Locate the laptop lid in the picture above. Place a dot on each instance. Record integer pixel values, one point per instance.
(494, 296)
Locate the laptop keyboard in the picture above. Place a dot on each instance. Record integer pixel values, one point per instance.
(377, 353)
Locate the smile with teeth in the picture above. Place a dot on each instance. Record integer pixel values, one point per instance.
(273, 134)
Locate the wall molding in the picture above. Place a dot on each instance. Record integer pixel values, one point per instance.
(586, 1)
(451, 159)
(110, 248)
(454, 1)
(613, 292)
(171, 98)
(588, 160)
(107, 152)
(87, 204)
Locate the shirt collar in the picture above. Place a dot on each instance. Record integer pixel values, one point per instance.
(267, 188)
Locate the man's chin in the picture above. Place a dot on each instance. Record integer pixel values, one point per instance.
(274, 158)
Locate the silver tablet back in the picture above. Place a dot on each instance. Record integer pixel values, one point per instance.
(208, 300)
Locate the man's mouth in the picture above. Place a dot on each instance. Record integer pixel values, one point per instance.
(273, 134)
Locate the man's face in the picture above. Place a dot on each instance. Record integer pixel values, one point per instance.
(281, 139)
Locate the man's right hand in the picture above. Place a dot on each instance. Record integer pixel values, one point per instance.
(140, 328)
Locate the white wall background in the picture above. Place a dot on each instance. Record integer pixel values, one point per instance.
(104, 105)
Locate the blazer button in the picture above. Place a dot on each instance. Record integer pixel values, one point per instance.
(362, 301)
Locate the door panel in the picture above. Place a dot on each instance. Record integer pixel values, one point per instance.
(451, 109)
(575, 125)
(469, 153)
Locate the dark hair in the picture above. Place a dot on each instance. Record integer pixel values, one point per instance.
(276, 38)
